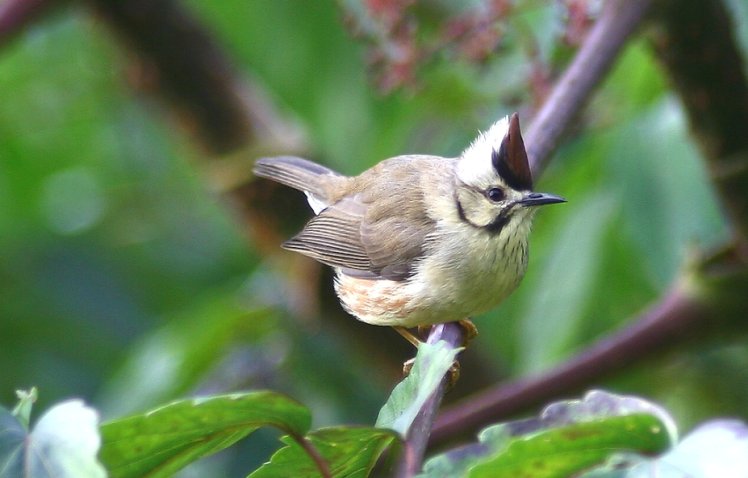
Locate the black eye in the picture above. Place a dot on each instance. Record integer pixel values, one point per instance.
(495, 194)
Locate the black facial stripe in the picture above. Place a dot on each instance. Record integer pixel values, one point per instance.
(461, 212)
(501, 165)
(493, 227)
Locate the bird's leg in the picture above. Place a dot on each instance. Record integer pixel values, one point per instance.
(470, 332)
(408, 335)
(408, 366)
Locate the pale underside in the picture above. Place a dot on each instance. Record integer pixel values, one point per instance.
(465, 277)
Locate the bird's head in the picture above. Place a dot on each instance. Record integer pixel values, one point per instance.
(494, 183)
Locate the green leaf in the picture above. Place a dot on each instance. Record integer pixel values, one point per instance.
(349, 452)
(718, 448)
(669, 205)
(546, 341)
(62, 444)
(568, 437)
(566, 450)
(432, 362)
(164, 440)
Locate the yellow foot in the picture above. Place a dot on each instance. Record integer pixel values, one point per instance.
(453, 375)
(471, 331)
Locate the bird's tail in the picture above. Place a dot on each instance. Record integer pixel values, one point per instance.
(297, 173)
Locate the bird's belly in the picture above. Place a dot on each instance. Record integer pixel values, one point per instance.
(443, 288)
(475, 281)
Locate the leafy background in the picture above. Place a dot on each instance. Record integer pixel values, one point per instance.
(127, 278)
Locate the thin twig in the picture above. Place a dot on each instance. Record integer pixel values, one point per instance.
(418, 436)
(618, 20)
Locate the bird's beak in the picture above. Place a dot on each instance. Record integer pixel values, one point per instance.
(539, 199)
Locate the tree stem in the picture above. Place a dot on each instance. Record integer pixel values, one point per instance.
(417, 440)
(618, 20)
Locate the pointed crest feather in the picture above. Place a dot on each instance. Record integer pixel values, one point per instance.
(498, 151)
(510, 161)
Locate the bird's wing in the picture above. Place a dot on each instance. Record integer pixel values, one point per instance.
(333, 236)
(377, 241)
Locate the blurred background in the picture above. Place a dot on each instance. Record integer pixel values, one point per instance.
(139, 261)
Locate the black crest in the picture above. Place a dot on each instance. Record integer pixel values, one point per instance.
(510, 161)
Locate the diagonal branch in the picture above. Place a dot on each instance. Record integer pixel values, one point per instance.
(666, 323)
(618, 20)
(179, 58)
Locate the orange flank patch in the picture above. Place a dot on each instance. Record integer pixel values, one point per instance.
(379, 302)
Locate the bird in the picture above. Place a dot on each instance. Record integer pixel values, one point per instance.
(418, 240)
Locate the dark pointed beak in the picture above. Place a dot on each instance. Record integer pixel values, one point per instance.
(539, 199)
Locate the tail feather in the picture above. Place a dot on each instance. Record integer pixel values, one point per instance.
(295, 172)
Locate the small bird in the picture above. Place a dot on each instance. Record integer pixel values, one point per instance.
(419, 240)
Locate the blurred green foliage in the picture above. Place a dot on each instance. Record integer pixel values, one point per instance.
(126, 280)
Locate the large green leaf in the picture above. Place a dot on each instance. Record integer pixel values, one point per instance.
(162, 441)
(554, 313)
(718, 448)
(567, 438)
(432, 362)
(669, 205)
(349, 453)
(558, 453)
(62, 444)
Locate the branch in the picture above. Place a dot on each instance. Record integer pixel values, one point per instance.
(418, 435)
(179, 58)
(695, 43)
(666, 323)
(618, 20)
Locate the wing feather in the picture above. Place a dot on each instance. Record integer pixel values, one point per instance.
(382, 241)
(333, 237)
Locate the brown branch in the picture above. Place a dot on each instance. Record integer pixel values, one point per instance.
(695, 43)
(618, 20)
(418, 436)
(666, 323)
(180, 60)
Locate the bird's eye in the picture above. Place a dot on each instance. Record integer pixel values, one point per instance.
(495, 194)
